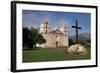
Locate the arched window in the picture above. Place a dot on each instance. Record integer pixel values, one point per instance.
(46, 31)
(56, 36)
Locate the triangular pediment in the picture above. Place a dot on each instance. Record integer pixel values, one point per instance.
(56, 31)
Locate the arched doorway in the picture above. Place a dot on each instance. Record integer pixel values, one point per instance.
(56, 43)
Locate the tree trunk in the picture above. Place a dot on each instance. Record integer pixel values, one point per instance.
(35, 45)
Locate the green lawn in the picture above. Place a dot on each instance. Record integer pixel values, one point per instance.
(51, 54)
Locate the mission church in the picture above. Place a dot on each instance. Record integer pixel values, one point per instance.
(54, 38)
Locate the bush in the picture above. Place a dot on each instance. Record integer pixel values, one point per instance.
(87, 45)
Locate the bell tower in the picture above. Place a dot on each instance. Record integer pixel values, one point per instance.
(64, 30)
(44, 27)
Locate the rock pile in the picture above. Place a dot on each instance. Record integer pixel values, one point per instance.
(77, 49)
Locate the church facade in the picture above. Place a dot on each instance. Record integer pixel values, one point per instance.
(54, 38)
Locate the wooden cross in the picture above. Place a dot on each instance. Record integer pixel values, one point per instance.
(76, 27)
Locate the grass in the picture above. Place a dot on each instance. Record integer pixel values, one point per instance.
(51, 54)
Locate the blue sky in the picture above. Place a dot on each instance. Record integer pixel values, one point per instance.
(57, 19)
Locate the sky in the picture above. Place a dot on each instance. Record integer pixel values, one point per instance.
(32, 18)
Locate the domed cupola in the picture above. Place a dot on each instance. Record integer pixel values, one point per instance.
(44, 21)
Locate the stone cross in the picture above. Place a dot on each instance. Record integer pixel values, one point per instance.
(76, 28)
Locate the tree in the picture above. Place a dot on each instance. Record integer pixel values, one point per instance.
(85, 42)
(41, 39)
(37, 38)
(31, 37)
(34, 36)
(26, 37)
(71, 42)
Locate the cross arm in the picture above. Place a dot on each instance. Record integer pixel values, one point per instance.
(76, 27)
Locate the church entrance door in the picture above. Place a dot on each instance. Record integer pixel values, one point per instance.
(56, 43)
